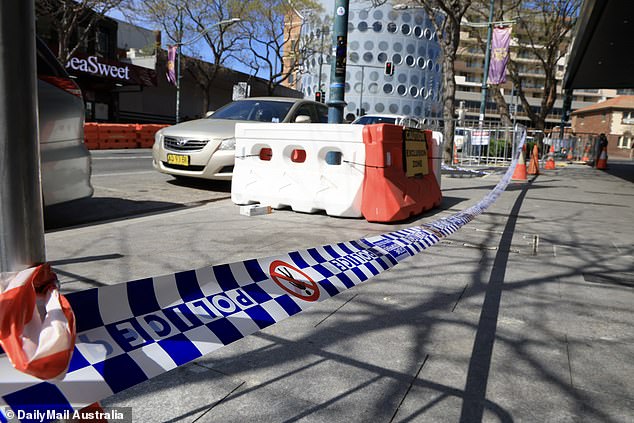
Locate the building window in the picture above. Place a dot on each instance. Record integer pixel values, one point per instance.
(628, 117)
(603, 116)
(625, 140)
(102, 44)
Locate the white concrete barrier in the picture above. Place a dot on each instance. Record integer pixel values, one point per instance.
(309, 167)
(437, 153)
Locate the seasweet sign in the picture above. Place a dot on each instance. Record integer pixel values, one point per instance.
(94, 66)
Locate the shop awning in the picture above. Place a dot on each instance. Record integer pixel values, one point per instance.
(601, 55)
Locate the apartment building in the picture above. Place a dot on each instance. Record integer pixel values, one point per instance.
(469, 68)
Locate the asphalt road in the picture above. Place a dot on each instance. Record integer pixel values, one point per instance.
(126, 185)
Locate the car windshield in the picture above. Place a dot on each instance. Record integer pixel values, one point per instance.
(369, 120)
(254, 110)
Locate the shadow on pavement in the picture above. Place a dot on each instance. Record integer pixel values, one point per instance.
(204, 184)
(97, 209)
(480, 363)
(621, 169)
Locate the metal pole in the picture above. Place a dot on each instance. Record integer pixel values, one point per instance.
(336, 101)
(487, 59)
(21, 216)
(178, 65)
(321, 56)
(361, 93)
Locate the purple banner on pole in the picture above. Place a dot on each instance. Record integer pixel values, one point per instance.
(499, 55)
(171, 60)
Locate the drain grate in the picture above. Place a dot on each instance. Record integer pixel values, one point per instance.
(624, 279)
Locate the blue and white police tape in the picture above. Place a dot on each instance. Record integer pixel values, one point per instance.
(462, 169)
(131, 332)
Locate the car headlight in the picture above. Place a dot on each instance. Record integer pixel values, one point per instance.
(158, 136)
(228, 144)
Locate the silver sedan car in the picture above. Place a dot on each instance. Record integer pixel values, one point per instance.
(205, 148)
(65, 161)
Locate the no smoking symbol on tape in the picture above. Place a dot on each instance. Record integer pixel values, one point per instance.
(294, 281)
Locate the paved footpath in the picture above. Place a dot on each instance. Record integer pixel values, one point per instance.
(526, 314)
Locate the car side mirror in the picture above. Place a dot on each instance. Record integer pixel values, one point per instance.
(209, 113)
(303, 119)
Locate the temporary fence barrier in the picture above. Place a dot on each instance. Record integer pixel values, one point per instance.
(399, 181)
(134, 331)
(91, 135)
(346, 170)
(489, 144)
(145, 134)
(119, 135)
(436, 154)
(306, 167)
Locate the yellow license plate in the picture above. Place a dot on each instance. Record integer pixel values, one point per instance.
(177, 159)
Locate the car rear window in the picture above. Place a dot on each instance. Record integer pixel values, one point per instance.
(254, 110)
(369, 120)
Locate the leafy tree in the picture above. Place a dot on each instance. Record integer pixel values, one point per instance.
(445, 16)
(275, 44)
(195, 25)
(542, 32)
(73, 21)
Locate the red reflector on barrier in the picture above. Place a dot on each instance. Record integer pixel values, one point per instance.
(298, 156)
(266, 154)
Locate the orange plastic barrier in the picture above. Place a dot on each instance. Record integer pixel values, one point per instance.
(145, 134)
(115, 135)
(91, 135)
(389, 195)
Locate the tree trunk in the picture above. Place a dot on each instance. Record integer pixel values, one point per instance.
(449, 99)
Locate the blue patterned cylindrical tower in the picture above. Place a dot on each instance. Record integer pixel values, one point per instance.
(377, 35)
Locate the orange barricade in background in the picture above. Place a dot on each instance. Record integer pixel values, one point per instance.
(117, 135)
(102, 136)
(145, 134)
(389, 195)
(91, 135)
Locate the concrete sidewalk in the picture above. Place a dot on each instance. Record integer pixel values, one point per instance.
(478, 328)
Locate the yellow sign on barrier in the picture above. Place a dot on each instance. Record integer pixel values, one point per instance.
(415, 152)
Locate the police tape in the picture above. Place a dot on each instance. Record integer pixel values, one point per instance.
(131, 332)
(462, 169)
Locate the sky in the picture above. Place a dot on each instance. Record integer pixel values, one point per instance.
(117, 14)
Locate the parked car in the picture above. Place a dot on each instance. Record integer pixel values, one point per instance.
(65, 160)
(407, 121)
(205, 148)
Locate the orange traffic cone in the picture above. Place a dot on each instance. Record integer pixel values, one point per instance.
(550, 162)
(586, 152)
(569, 157)
(602, 161)
(520, 170)
(455, 154)
(533, 165)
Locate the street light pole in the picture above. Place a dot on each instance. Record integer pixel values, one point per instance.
(178, 65)
(21, 217)
(361, 93)
(181, 43)
(487, 59)
(336, 101)
(321, 55)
